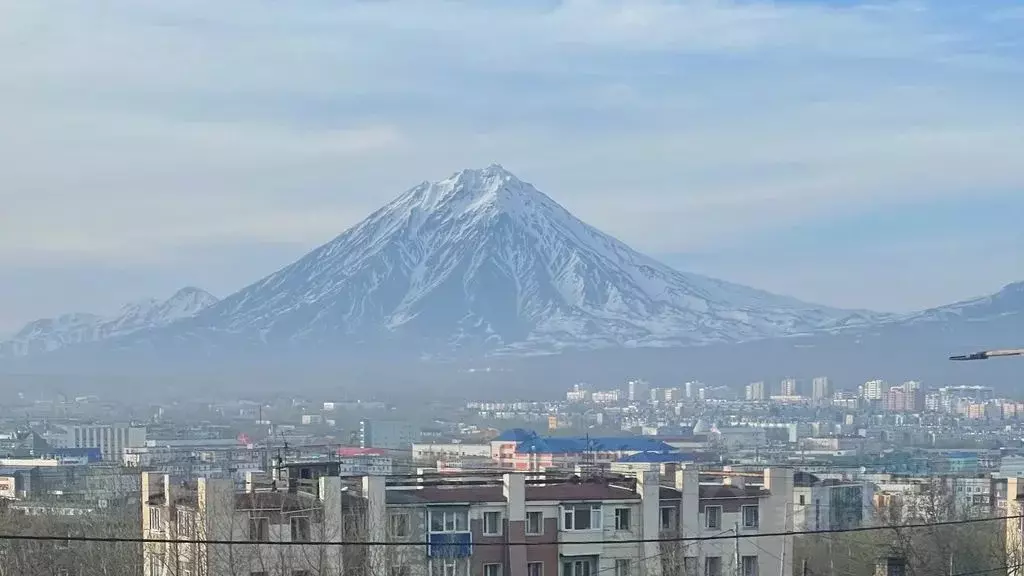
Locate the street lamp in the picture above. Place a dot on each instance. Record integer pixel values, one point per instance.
(989, 354)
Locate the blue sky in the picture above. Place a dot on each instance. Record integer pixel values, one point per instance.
(863, 154)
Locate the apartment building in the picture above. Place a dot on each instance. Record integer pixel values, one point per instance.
(176, 515)
(508, 526)
(830, 504)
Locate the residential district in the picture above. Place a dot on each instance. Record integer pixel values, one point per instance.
(784, 478)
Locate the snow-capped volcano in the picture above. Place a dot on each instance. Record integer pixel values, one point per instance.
(484, 261)
(49, 334)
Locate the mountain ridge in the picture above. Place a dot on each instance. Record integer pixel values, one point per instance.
(482, 264)
(71, 329)
(484, 235)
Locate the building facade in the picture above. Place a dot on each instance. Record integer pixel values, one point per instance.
(511, 526)
(111, 439)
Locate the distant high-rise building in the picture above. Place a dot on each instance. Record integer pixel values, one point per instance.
(873, 389)
(755, 392)
(691, 389)
(787, 387)
(578, 393)
(388, 434)
(637, 390)
(821, 389)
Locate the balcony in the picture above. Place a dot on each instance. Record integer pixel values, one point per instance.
(450, 545)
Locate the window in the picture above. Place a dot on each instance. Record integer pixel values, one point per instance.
(156, 563)
(492, 524)
(186, 524)
(534, 523)
(667, 518)
(751, 518)
(492, 569)
(713, 517)
(581, 517)
(399, 570)
(156, 521)
(259, 529)
(300, 528)
(713, 566)
(622, 518)
(802, 500)
(449, 567)
(622, 567)
(749, 565)
(583, 567)
(690, 566)
(535, 569)
(399, 524)
(449, 521)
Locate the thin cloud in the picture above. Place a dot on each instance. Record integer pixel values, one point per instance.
(133, 128)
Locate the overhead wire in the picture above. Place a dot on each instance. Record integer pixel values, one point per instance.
(716, 537)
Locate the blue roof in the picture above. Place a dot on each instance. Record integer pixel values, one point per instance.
(515, 435)
(657, 457)
(550, 445)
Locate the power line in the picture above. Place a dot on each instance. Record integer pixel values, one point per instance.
(716, 537)
(990, 570)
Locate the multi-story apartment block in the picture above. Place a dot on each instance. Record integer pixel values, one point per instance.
(637, 390)
(387, 434)
(821, 389)
(511, 525)
(579, 393)
(827, 504)
(213, 510)
(908, 397)
(755, 392)
(873, 390)
(788, 387)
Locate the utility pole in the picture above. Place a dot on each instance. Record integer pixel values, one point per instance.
(736, 549)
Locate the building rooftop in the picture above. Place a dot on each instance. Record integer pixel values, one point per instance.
(717, 491)
(551, 445)
(657, 457)
(515, 435)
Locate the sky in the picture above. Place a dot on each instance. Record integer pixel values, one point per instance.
(858, 154)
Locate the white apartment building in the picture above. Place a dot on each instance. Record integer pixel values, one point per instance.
(755, 392)
(638, 390)
(873, 389)
(111, 439)
(821, 389)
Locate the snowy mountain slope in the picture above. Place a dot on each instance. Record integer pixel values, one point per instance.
(1006, 304)
(482, 261)
(50, 334)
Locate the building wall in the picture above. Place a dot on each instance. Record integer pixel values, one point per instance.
(110, 439)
